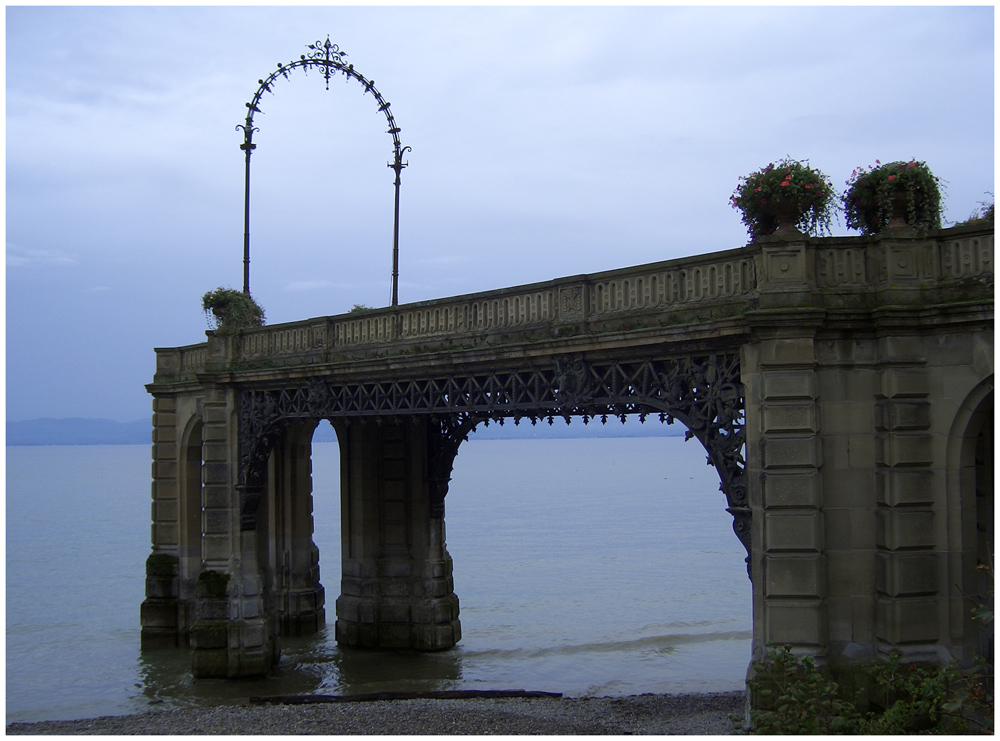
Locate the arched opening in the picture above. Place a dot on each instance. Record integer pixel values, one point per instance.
(971, 494)
(597, 565)
(977, 495)
(983, 594)
(326, 500)
(287, 555)
(190, 522)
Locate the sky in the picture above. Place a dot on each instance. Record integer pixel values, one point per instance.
(544, 142)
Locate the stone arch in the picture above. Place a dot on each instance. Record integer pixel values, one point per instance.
(971, 526)
(287, 556)
(704, 391)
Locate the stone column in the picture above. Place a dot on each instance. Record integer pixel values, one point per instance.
(397, 589)
(907, 573)
(160, 613)
(234, 632)
(785, 457)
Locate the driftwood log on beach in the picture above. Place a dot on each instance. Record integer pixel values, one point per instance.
(374, 696)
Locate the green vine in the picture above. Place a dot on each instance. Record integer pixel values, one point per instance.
(230, 311)
(982, 216)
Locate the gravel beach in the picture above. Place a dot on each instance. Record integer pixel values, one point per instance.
(637, 714)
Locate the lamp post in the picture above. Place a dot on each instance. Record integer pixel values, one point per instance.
(330, 60)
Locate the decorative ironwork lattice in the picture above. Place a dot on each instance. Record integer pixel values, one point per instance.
(702, 391)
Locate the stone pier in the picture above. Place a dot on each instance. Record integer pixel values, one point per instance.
(842, 388)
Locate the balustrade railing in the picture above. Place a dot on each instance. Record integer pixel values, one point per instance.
(716, 279)
(967, 257)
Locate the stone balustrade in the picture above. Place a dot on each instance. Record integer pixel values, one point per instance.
(672, 292)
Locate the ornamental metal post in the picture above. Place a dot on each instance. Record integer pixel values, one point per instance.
(248, 147)
(397, 165)
(329, 58)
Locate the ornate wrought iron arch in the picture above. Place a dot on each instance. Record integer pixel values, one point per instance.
(330, 60)
(702, 391)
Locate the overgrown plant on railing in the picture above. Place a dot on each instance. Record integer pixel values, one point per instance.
(982, 216)
(231, 311)
(794, 697)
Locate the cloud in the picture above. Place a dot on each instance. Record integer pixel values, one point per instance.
(20, 257)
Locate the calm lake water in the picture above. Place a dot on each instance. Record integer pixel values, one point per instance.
(589, 567)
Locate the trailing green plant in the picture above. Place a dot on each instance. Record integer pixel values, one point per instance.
(788, 184)
(872, 192)
(793, 696)
(982, 216)
(358, 308)
(231, 311)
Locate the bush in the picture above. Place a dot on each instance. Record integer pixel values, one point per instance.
(231, 311)
(982, 216)
(794, 697)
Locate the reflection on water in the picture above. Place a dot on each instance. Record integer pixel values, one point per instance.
(316, 665)
(313, 665)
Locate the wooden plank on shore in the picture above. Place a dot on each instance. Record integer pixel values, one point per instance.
(374, 696)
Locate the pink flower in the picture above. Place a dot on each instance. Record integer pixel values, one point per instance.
(892, 177)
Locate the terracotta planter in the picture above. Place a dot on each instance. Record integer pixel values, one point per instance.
(785, 215)
(899, 202)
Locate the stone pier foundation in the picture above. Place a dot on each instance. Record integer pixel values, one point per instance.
(397, 589)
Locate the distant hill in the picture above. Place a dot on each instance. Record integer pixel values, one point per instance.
(79, 431)
(82, 431)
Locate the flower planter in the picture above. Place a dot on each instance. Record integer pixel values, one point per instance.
(786, 198)
(785, 215)
(892, 196)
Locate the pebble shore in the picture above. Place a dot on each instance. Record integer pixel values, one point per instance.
(701, 714)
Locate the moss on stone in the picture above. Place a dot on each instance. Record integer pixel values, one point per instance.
(162, 565)
(213, 583)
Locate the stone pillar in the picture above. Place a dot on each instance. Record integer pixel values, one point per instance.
(785, 458)
(847, 381)
(292, 559)
(397, 589)
(160, 613)
(234, 632)
(907, 572)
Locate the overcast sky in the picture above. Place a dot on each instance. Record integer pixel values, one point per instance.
(545, 142)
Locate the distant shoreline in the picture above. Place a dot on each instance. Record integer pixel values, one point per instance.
(87, 431)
